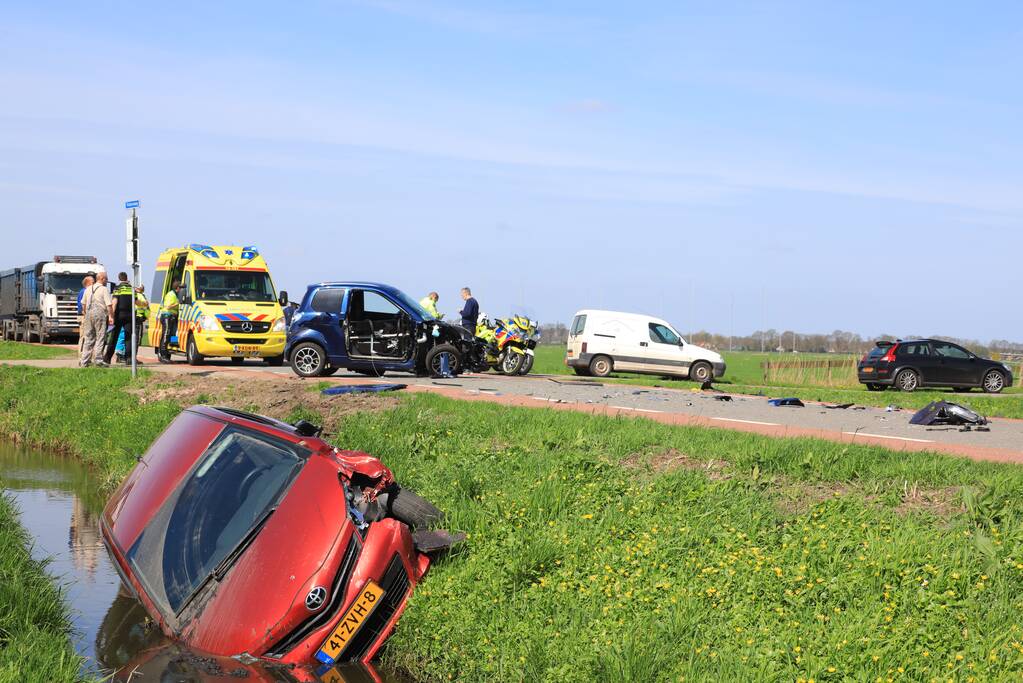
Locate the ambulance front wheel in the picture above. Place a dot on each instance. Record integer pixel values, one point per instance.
(192, 353)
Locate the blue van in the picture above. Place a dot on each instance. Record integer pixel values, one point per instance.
(371, 328)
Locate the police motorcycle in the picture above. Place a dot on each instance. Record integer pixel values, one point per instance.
(501, 346)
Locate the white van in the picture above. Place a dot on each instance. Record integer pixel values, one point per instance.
(602, 341)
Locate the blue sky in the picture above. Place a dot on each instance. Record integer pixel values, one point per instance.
(809, 165)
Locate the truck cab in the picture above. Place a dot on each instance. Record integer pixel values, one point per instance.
(228, 304)
(39, 302)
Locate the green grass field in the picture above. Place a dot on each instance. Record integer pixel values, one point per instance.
(19, 351)
(744, 376)
(621, 549)
(34, 623)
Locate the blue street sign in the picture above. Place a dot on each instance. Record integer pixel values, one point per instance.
(132, 204)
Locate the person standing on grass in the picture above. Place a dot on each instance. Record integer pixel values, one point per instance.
(169, 320)
(470, 312)
(429, 304)
(99, 310)
(86, 283)
(123, 322)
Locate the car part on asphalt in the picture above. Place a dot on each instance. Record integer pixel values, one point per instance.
(946, 413)
(786, 402)
(840, 406)
(723, 397)
(362, 389)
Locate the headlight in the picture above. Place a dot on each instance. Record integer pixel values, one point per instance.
(279, 325)
(209, 323)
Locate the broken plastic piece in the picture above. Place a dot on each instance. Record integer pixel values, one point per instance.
(361, 388)
(723, 397)
(946, 413)
(840, 406)
(785, 402)
(436, 540)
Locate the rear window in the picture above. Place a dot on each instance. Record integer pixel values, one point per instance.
(327, 300)
(234, 485)
(578, 325)
(914, 350)
(878, 351)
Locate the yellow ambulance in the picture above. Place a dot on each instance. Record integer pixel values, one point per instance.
(228, 304)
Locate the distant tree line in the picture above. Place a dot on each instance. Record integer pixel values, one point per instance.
(839, 341)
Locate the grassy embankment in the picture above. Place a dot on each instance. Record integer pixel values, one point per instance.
(19, 351)
(744, 376)
(34, 624)
(621, 549)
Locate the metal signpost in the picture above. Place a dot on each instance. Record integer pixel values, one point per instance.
(133, 259)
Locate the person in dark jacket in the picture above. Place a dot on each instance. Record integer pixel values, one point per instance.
(123, 294)
(470, 312)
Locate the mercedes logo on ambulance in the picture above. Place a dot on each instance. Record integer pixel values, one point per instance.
(315, 599)
(246, 327)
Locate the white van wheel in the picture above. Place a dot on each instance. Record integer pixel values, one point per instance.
(700, 372)
(601, 366)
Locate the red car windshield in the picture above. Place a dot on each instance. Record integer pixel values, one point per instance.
(213, 515)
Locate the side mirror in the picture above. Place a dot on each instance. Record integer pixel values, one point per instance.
(282, 299)
(186, 300)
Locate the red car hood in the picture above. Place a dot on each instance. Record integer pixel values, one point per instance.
(262, 597)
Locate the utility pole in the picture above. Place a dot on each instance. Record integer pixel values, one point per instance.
(763, 316)
(731, 321)
(132, 244)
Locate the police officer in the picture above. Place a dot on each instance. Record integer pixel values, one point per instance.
(169, 320)
(429, 304)
(122, 295)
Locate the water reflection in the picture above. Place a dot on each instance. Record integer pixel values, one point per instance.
(60, 507)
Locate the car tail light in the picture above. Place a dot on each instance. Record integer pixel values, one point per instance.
(889, 356)
(583, 348)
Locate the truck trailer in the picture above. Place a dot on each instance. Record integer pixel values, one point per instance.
(39, 302)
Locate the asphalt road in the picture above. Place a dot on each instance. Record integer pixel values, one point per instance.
(856, 421)
(1003, 441)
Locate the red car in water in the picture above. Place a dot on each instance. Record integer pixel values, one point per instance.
(246, 536)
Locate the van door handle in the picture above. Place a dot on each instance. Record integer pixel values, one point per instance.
(643, 344)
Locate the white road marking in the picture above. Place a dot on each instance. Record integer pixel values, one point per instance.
(885, 436)
(638, 410)
(749, 422)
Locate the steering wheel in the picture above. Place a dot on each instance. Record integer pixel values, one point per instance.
(247, 481)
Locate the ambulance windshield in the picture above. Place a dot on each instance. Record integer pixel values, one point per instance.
(233, 285)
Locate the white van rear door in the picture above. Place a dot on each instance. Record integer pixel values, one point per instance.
(574, 346)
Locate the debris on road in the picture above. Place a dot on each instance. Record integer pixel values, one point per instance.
(361, 389)
(723, 397)
(840, 406)
(947, 413)
(786, 402)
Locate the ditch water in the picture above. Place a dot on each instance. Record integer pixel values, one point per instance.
(60, 507)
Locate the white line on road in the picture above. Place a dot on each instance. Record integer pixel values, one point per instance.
(749, 422)
(638, 410)
(885, 436)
